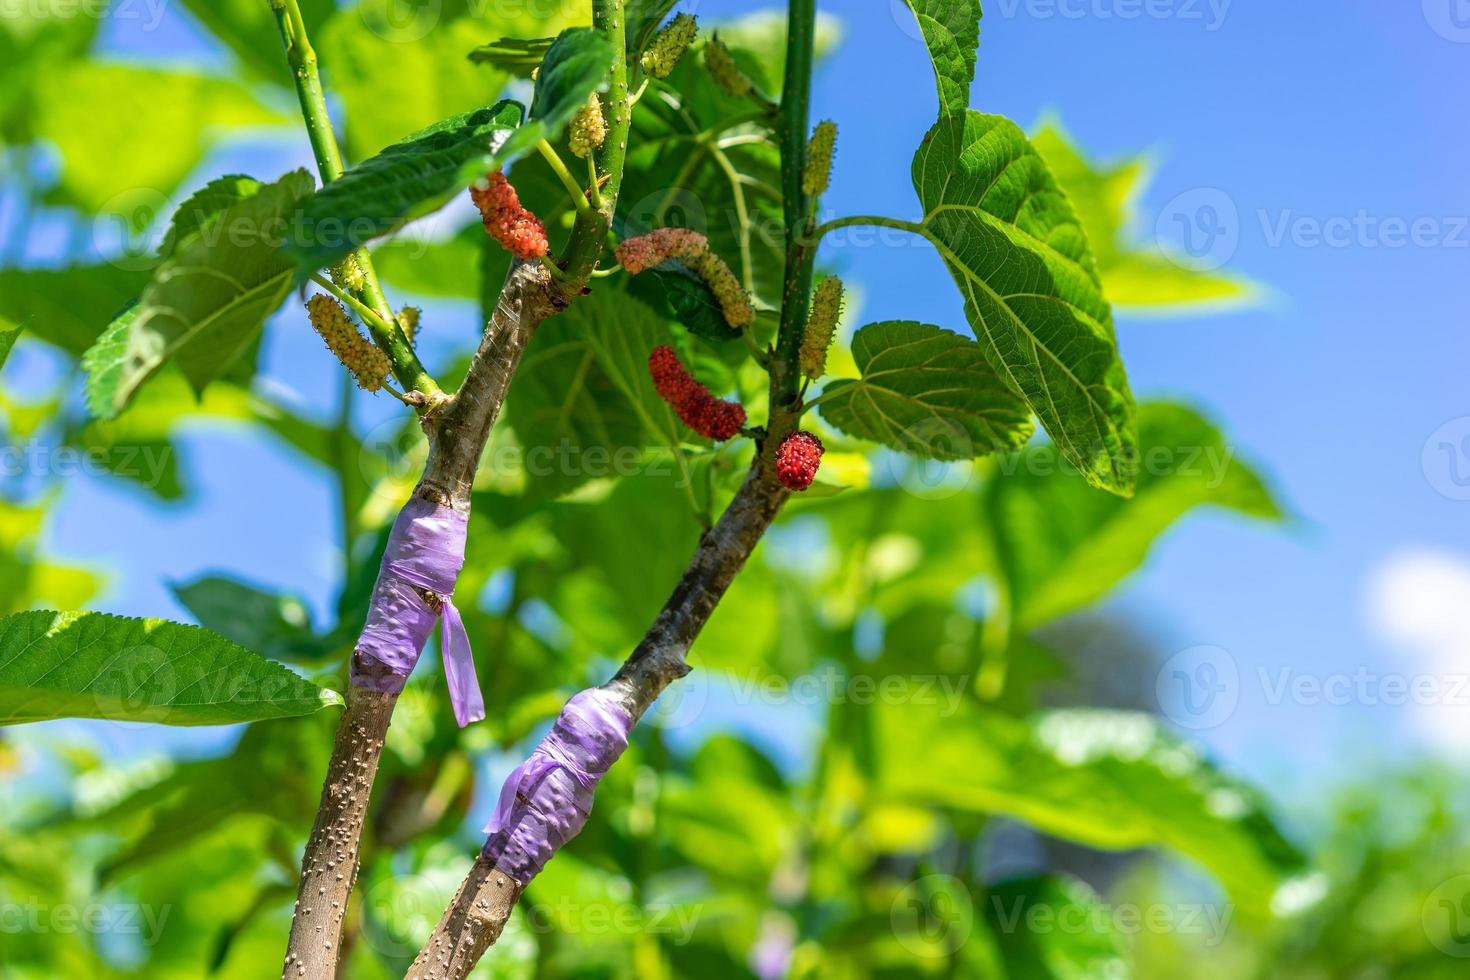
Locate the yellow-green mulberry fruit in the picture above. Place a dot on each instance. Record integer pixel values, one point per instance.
(821, 323)
(669, 45)
(818, 171)
(408, 319)
(588, 128)
(723, 69)
(367, 364)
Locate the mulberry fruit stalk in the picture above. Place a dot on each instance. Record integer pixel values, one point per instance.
(691, 248)
(367, 364)
(669, 45)
(520, 231)
(724, 70)
(797, 460)
(692, 401)
(820, 325)
(588, 129)
(817, 172)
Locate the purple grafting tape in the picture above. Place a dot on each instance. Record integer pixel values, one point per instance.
(545, 801)
(425, 551)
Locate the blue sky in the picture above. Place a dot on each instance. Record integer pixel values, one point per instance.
(1288, 118)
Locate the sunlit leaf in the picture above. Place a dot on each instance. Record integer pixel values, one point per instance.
(206, 304)
(927, 392)
(1134, 274)
(951, 30)
(1063, 547)
(154, 127)
(92, 665)
(1020, 258)
(1141, 787)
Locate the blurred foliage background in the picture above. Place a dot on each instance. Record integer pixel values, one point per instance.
(912, 746)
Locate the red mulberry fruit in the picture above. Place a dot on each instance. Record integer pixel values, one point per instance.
(797, 460)
(520, 231)
(692, 401)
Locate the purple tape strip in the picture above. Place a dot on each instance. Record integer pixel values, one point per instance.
(425, 551)
(545, 801)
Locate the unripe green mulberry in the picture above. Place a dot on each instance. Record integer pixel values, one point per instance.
(348, 274)
(367, 364)
(818, 170)
(408, 319)
(588, 128)
(820, 325)
(723, 69)
(669, 45)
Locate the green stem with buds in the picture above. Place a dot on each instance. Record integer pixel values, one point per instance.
(302, 59)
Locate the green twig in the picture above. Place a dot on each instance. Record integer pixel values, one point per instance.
(554, 161)
(301, 57)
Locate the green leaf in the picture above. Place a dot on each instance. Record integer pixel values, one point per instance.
(951, 30)
(274, 625)
(92, 665)
(8, 337)
(1141, 786)
(430, 80)
(129, 135)
(1055, 928)
(679, 295)
(425, 170)
(583, 406)
(407, 180)
(203, 206)
(67, 308)
(1141, 277)
(1019, 256)
(927, 392)
(513, 55)
(1062, 547)
(206, 304)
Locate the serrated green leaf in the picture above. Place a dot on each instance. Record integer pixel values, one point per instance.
(1055, 928)
(129, 135)
(1134, 275)
(679, 295)
(1142, 786)
(1020, 258)
(951, 30)
(405, 181)
(203, 206)
(513, 55)
(92, 665)
(927, 392)
(206, 304)
(105, 360)
(431, 78)
(1062, 547)
(67, 308)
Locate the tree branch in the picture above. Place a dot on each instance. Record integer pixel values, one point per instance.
(475, 918)
(473, 921)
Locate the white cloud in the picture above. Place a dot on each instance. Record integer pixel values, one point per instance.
(1418, 604)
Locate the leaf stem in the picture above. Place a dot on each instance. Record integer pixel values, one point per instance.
(554, 161)
(301, 58)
